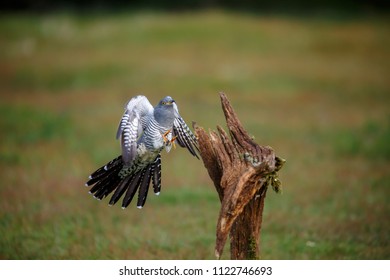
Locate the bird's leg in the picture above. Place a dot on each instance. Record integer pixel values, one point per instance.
(164, 136)
(168, 141)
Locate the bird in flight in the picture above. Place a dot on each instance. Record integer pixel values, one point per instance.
(144, 132)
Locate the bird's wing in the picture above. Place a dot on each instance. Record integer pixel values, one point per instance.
(184, 136)
(133, 123)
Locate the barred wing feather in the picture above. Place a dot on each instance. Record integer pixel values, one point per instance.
(132, 124)
(184, 137)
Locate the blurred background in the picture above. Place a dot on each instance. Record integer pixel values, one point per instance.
(310, 80)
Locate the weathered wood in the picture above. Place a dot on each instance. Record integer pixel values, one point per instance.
(241, 171)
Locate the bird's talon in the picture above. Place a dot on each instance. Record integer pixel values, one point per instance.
(173, 142)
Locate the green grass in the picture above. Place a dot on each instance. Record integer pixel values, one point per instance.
(315, 89)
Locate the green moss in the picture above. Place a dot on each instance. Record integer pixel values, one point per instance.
(253, 249)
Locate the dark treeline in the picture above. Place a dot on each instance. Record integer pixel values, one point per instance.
(178, 5)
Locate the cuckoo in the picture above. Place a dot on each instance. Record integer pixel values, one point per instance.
(143, 132)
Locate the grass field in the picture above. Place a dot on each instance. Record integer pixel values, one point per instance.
(316, 89)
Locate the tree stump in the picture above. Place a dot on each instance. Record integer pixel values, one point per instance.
(241, 171)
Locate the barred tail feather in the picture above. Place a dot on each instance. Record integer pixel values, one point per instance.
(144, 186)
(102, 171)
(131, 189)
(107, 187)
(104, 180)
(107, 179)
(120, 190)
(156, 175)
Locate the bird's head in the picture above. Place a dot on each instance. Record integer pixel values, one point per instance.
(164, 112)
(166, 101)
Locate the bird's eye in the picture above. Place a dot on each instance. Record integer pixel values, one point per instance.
(164, 103)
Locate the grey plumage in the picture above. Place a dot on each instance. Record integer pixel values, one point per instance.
(144, 132)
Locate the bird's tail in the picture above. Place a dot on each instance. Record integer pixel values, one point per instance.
(106, 179)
